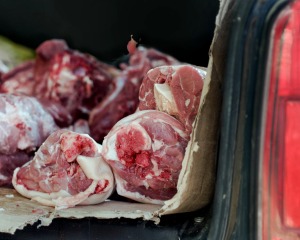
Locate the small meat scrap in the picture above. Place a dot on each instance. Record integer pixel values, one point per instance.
(146, 150)
(67, 170)
(175, 90)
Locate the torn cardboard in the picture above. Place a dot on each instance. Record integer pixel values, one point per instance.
(197, 177)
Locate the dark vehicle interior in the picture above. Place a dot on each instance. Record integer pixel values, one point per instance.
(183, 29)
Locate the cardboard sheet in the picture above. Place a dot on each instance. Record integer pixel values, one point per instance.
(196, 180)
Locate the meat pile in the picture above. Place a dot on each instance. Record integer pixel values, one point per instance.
(146, 149)
(67, 103)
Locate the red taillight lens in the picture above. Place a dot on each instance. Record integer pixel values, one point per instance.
(280, 154)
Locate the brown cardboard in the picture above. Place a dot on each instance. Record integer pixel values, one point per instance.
(196, 180)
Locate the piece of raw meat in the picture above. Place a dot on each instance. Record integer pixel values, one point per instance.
(123, 99)
(72, 79)
(67, 170)
(19, 80)
(24, 125)
(175, 90)
(145, 151)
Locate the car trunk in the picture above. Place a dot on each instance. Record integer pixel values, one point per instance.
(186, 30)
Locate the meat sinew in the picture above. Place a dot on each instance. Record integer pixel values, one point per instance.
(24, 125)
(146, 150)
(67, 170)
(175, 90)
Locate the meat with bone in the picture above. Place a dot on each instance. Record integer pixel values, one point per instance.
(146, 150)
(175, 90)
(24, 125)
(67, 170)
(123, 99)
(74, 80)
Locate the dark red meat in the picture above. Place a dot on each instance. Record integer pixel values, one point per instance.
(123, 99)
(146, 150)
(74, 80)
(8, 163)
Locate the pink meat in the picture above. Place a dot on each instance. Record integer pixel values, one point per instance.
(119, 103)
(24, 124)
(146, 150)
(123, 98)
(185, 82)
(8, 163)
(56, 174)
(19, 80)
(74, 80)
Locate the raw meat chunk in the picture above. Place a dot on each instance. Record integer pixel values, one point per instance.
(175, 90)
(67, 170)
(24, 125)
(146, 150)
(69, 78)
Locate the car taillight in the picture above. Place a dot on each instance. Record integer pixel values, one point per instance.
(280, 149)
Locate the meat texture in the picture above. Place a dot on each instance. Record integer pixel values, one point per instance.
(19, 80)
(24, 125)
(175, 90)
(8, 163)
(69, 78)
(67, 170)
(123, 99)
(146, 150)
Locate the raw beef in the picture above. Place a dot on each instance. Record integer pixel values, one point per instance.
(67, 170)
(175, 90)
(19, 80)
(123, 99)
(146, 150)
(75, 81)
(24, 125)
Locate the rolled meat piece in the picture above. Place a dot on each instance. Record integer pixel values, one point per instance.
(145, 151)
(175, 90)
(67, 170)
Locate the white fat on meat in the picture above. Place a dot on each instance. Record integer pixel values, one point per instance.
(78, 158)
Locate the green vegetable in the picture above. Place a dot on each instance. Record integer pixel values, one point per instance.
(12, 54)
